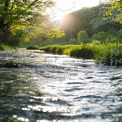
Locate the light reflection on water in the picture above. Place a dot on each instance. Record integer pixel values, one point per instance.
(59, 89)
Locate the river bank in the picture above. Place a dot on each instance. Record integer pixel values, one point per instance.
(107, 54)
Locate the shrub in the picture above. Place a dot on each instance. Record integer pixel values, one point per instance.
(82, 36)
(101, 36)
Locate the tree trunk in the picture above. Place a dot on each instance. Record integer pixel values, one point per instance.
(4, 24)
(4, 31)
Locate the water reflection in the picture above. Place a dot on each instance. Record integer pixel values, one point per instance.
(16, 93)
(60, 89)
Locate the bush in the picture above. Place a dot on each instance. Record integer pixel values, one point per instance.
(100, 36)
(82, 36)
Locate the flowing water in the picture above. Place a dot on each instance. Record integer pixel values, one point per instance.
(53, 88)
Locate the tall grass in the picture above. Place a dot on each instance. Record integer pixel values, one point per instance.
(5, 47)
(57, 49)
(108, 54)
(85, 52)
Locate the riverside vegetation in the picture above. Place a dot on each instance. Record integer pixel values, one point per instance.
(5, 47)
(108, 54)
(89, 33)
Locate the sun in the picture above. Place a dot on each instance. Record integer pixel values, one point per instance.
(59, 16)
(63, 7)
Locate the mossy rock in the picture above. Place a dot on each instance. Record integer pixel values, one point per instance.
(11, 65)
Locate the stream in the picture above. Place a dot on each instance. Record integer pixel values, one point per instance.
(58, 88)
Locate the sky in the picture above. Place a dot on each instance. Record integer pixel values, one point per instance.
(63, 7)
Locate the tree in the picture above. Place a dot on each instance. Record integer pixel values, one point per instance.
(115, 10)
(119, 35)
(17, 14)
(54, 33)
(82, 36)
(97, 16)
(88, 19)
(100, 36)
(42, 30)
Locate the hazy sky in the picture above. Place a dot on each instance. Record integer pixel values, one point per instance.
(66, 5)
(63, 7)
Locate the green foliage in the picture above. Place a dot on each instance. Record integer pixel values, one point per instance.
(88, 19)
(82, 36)
(85, 52)
(108, 53)
(101, 36)
(55, 49)
(54, 33)
(42, 33)
(96, 16)
(15, 38)
(92, 20)
(18, 14)
(72, 40)
(119, 35)
(96, 42)
(108, 27)
(112, 35)
(69, 49)
(5, 47)
(115, 10)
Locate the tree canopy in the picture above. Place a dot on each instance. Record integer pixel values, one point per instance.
(93, 21)
(82, 36)
(115, 10)
(17, 14)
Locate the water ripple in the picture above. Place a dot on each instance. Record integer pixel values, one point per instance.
(59, 89)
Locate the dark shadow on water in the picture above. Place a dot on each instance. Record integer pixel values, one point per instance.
(16, 94)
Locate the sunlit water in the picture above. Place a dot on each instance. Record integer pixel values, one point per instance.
(53, 88)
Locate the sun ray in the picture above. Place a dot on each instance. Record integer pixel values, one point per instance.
(62, 7)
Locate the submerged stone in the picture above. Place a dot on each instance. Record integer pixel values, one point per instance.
(10, 65)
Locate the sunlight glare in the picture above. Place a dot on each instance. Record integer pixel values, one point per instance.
(62, 7)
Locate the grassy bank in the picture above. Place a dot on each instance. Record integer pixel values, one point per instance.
(109, 54)
(5, 47)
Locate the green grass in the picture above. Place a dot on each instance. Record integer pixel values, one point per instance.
(108, 54)
(85, 52)
(5, 47)
(59, 42)
(56, 49)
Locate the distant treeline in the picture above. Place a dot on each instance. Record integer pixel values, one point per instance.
(94, 22)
